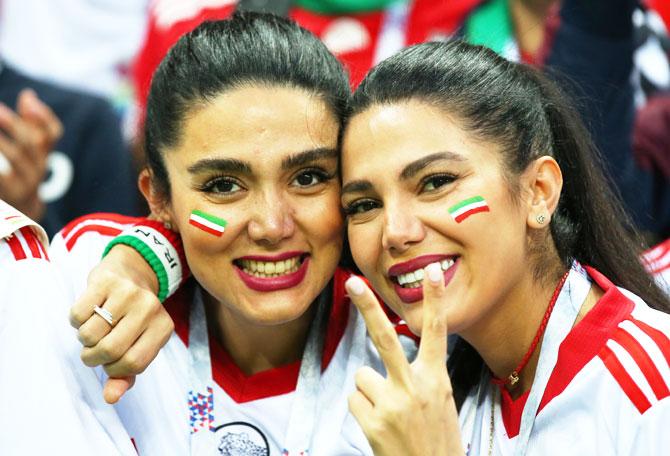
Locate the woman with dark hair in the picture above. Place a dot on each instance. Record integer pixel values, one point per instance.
(242, 141)
(475, 168)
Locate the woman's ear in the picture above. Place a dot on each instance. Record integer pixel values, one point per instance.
(158, 201)
(545, 182)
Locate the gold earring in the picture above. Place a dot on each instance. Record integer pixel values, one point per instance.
(541, 219)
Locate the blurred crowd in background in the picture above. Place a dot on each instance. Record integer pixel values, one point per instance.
(74, 78)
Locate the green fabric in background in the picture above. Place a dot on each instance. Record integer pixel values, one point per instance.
(490, 25)
(343, 6)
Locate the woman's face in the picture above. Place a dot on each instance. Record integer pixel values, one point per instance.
(265, 160)
(406, 166)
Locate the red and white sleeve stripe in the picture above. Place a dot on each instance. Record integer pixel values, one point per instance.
(24, 244)
(101, 223)
(638, 357)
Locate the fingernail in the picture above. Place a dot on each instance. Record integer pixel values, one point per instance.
(434, 272)
(355, 286)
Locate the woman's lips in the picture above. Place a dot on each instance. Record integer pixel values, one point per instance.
(279, 282)
(410, 295)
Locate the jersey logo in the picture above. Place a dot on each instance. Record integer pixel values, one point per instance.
(25, 244)
(240, 438)
(636, 355)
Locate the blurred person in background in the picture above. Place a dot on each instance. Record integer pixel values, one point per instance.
(85, 45)
(61, 152)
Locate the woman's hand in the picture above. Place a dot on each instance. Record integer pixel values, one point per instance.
(412, 411)
(126, 286)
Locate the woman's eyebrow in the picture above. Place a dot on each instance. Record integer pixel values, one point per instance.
(414, 167)
(228, 165)
(357, 186)
(308, 156)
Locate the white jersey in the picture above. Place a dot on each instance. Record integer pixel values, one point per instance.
(164, 413)
(607, 394)
(50, 402)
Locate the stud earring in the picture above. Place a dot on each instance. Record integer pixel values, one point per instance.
(541, 219)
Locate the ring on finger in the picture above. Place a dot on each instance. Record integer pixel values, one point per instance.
(105, 314)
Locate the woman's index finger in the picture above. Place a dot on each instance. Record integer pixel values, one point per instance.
(379, 327)
(433, 346)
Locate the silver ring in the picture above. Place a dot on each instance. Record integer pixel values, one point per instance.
(105, 314)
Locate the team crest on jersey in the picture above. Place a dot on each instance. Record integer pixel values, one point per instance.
(241, 439)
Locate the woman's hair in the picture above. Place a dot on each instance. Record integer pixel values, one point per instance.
(247, 49)
(518, 108)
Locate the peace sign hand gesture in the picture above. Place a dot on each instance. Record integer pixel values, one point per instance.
(412, 411)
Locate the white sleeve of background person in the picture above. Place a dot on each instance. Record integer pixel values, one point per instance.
(51, 402)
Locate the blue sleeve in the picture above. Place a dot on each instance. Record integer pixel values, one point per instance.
(103, 175)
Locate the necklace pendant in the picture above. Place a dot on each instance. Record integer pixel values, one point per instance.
(513, 378)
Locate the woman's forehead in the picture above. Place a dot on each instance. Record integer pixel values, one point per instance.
(260, 120)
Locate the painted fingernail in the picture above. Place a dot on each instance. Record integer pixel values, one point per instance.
(355, 286)
(434, 272)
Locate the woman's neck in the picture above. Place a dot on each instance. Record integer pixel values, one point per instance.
(504, 337)
(253, 347)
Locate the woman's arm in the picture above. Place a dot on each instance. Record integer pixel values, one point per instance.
(125, 285)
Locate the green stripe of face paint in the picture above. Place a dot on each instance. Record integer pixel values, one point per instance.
(474, 199)
(210, 217)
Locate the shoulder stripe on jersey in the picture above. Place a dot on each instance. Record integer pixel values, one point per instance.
(98, 216)
(16, 247)
(643, 361)
(32, 241)
(102, 229)
(624, 380)
(657, 336)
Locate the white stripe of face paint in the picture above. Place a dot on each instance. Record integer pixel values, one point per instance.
(469, 207)
(207, 223)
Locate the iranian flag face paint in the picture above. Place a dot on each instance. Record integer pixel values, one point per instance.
(468, 207)
(208, 222)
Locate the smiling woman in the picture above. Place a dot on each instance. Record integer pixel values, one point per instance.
(242, 129)
(475, 204)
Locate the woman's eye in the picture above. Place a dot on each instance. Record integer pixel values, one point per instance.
(309, 178)
(221, 185)
(435, 182)
(360, 207)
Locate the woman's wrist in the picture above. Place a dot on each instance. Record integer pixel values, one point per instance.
(161, 249)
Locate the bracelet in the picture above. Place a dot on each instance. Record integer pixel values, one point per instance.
(157, 251)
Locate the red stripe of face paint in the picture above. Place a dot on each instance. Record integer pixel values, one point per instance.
(467, 214)
(205, 228)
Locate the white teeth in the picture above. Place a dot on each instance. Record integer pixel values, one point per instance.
(270, 268)
(413, 279)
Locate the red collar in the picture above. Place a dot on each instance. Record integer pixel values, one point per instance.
(272, 382)
(580, 346)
